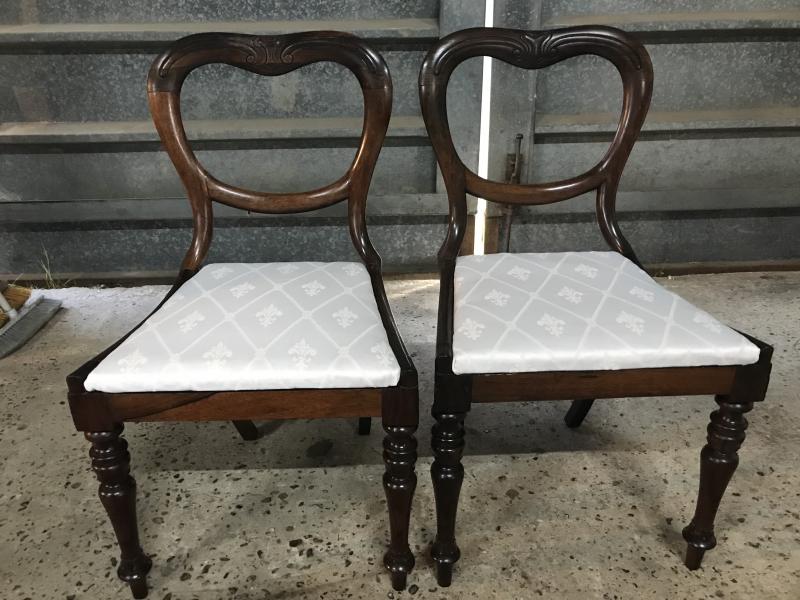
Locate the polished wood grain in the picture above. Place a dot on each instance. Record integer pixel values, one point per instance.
(454, 394)
(111, 464)
(100, 415)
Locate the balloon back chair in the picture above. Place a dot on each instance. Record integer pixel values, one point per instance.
(248, 341)
(569, 325)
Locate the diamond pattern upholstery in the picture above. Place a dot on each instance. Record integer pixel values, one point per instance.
(576, 311)
(260, 326)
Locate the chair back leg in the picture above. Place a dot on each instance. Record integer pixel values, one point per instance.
(247, 429)
(577, 413)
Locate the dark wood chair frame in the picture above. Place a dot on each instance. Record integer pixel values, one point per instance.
(736, 388)
(101, 415)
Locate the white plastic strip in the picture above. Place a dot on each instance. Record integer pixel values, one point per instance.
(479, 243)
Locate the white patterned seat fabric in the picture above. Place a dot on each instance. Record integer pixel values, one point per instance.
(260, 326)
(579, 311)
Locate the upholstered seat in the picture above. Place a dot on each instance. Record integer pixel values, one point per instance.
(579, 311)
(258, 326)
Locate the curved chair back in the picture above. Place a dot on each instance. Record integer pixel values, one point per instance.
(270, 55)
(535, 50)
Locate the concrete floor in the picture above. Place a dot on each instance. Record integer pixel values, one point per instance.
(545, 512)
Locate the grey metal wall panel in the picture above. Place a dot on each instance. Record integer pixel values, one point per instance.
(121, 11)
(111, 87)
(82, 176)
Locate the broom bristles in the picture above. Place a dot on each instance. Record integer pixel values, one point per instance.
(16, 297)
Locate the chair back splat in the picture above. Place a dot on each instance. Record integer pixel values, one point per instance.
(535, 50)
(271, 55)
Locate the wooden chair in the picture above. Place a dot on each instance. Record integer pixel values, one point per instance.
(244, 342)
(580, 326)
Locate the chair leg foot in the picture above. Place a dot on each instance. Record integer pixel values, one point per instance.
(399, 483)
(364, 425)
(577, 413)
(399, 579)
(138, 584)
(447, 474)
(718, 461)
(111, 465)
(444, 573)
(694, 557)
(248, 430)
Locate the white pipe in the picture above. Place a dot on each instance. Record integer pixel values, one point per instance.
(479, 242)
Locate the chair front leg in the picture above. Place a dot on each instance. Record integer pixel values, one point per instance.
(111, 464)
(399, 483)
(718, 461)
(447, 473)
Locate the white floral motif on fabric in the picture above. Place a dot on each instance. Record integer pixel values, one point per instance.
(191, 321)
(646, 295)
(497, 298)
(570, 295)
(518, 273)
(586, 271)
(383, 353)
(132, 362)
(261, 326)
(471, 329)
(313, 288)
(345, 317)
(221, 272)
(632, 322)
(707, 321)
(267, 316)
(242, 289)
(217, 356)
(353, 269)
(302, 354)
(573, 311)
(551, 324)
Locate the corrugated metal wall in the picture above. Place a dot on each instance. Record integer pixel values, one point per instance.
(716, 176)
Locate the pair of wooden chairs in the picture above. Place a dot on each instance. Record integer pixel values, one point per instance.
(246, 342)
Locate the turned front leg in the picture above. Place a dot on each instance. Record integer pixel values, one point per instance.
(447, 474)
(399, 483)
(111, 464)
(718, 461)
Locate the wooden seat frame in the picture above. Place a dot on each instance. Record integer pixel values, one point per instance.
(101, 415)
(736, 388)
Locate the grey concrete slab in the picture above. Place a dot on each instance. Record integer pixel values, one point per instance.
(108, 175)
(676, 10)
(682, 164)
(114, 33)
(232, 130)
(111, 87)
(722, 76)
(119, 11)
(687, 21)
(402, 241)
(15, 215)
(715, 236)
(546, 512)
(698, 122)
